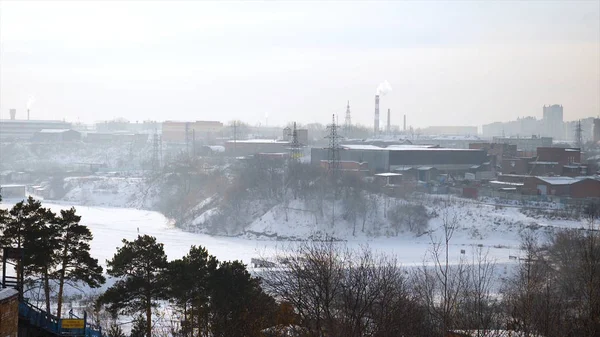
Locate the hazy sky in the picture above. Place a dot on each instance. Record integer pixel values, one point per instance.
(449, 63)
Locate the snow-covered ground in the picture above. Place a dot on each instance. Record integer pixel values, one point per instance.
(480, 225)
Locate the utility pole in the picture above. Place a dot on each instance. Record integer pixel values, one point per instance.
(187, 138)
(579, 136)
(333, 154)
(155, 151)
(348, 121)
(234, 138)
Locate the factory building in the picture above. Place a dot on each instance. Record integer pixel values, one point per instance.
(180, 132)
(56, 136)
(527, 145)
(553, 161)
(18, 129)
(573, 187)
(255, 146)
(405, 157)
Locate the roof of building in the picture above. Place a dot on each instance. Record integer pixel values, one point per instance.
(544, 162)
(259, 141)
(388, 174)
(562, 180)
(32, 121)
(55, 130)
(362, 147)
(7, 293)
(496, 182)
(11, 185)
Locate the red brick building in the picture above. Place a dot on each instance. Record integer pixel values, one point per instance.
(9, 312)
(580, 187)
(549, 161)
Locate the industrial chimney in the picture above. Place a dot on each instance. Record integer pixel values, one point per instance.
(389, 126)
(27, 114)
(376, 125)
(404, 122)
(13, 114)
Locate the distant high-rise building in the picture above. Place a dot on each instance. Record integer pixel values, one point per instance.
(553, 121)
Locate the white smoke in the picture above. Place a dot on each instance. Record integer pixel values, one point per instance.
(384, 88)
(30, 101)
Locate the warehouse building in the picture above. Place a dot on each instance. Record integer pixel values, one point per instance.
(254, 146)
(17, 129)
(573, 187)
(180, 132)
(401, 158)
(56, 136)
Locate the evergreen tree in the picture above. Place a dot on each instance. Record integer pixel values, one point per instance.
(139, 265)
(116, 331)
(139, 328)
(73, 259)
(188, 287)
(239, 306)
(30, 226)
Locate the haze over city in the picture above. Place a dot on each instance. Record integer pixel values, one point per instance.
(449, 63)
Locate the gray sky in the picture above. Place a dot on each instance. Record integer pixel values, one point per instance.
(449, 63)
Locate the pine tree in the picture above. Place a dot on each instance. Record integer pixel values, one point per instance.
(30, 226)
(139, 265)
(239, 306)
(73, 259)
(188, 286)
(139, 328)
(116, 331)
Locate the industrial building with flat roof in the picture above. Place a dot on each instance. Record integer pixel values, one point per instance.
(399, 157)
(17, 129)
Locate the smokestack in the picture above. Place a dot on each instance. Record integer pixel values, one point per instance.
(376, 124)
(27, 114)
(389, 127)
(13, 114)
(404, 122)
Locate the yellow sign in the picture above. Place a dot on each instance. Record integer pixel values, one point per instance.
(72, 324)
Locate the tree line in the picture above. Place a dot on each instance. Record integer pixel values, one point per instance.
(321, 288)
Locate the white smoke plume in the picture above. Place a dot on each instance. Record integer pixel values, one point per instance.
(30, 101)
(384, 88)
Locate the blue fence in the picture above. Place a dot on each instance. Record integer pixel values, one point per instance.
(43, 320)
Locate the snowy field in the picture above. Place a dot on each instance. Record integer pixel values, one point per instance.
(111, 225)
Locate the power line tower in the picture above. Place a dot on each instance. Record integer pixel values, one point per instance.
(333, 151)
(579, 135)
(295, 146)
(187, 138)
(155, 152)
(333, 162)
(348, 120)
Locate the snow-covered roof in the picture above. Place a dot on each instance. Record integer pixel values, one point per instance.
(389, 174)
(407, 146)
(7, 293)
(362, 147)
(54, 130)
(216, 148)
(561, 180)
(496, 182)
(544, 162)
(259, 141)
(11, 185)
(572, 150)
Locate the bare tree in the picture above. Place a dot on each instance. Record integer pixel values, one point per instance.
(442, 284)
